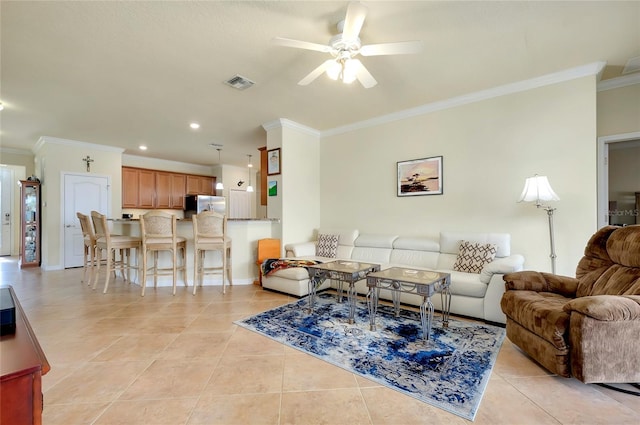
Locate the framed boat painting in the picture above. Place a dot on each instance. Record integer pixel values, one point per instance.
(420, 177)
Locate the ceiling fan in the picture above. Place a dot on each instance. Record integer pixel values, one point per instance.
(345, 46)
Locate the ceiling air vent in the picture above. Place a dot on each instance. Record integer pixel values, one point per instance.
(239, 82)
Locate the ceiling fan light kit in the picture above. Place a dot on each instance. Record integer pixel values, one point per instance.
(345, 46)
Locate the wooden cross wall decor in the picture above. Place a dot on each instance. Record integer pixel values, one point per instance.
(88, 160)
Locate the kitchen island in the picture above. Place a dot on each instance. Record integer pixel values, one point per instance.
(244, 234)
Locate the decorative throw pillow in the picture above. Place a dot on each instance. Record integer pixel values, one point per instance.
(472, 256)
(327, 245)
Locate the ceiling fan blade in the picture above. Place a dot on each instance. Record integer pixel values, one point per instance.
(287, 42)
(316, 72)
(400, 48)
(363, 75)
(356, 12)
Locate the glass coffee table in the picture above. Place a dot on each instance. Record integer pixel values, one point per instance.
(340, 271)
(420, 282)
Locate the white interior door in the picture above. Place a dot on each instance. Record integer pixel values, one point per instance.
(6, 195)
(82, 193)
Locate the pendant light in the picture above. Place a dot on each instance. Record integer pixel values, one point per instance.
(219, 185)
(250, 165)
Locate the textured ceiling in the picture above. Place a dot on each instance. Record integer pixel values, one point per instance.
(131, 73)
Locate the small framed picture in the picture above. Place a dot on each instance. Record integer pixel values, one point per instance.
(420, 177)
(273, 162)
(272, 188)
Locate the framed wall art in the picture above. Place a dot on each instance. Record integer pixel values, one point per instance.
(273, 162)
(273, 188)
(420, 177)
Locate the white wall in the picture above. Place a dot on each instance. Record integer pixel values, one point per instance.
(297, 203)
(489, 148)
(619, 110)
(53, 157)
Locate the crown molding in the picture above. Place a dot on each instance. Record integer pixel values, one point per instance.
(618, 82)
(74, 143)
(285, 123)
(594, 68)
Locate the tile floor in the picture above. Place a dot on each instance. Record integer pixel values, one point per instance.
(123, 359)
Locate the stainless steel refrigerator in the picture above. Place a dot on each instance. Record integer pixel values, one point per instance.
(195, 204)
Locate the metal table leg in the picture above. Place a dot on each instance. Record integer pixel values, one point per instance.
(372, 303)
(426, 317)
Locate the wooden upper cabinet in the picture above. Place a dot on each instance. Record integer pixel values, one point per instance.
(130, 187)
(178, 190)
(207, 185)
(200, 185)
(149, 189)
(163, 190)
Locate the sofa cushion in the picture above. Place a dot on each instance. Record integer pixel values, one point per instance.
(346, 241)
(472, 257)
(415, 252)
(540, 313)
(327, 245)
(450, 241)
(372, 248)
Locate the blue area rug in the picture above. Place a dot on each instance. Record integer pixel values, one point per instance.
(450, 371)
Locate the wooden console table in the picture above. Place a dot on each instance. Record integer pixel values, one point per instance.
(22, 365)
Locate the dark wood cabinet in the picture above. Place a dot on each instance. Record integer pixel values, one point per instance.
(263, 175)
(22, 365)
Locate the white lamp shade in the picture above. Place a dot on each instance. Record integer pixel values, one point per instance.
(249, 188)
(219, 186)
(537, 189)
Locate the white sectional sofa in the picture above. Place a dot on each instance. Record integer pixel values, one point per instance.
(473, 295)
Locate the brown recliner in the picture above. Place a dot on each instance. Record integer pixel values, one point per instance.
(588, 326)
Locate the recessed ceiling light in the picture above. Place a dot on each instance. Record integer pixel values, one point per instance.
(194, 125)
(142, 147)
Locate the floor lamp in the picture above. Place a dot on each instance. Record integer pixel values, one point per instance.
(537, 189)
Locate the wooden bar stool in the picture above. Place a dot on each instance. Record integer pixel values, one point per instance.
(210, 234)
(89, 241)
(159, 233)
(112, 244)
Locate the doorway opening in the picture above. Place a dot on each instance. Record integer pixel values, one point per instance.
(618, 179)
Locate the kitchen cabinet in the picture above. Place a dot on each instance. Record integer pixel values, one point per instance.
(155, 189)
(130, 187)
(200, 185)
(178, 190)
(147, 189)
(170, 190)
(30, 223)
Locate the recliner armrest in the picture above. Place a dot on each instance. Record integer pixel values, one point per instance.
(607, 308)
(541, 282)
